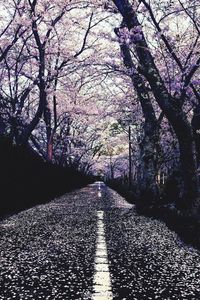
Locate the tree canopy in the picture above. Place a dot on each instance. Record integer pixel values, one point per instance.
(104, 86)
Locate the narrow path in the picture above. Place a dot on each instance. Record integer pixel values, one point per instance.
(92, 245)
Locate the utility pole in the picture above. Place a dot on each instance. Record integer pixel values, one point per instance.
(130, 160)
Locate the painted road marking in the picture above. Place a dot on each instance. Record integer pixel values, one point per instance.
(101, 281)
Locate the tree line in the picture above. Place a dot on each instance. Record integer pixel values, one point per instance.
(70, 67)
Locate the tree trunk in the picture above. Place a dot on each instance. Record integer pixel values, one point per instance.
(196, 129)
(49, 132)
(130, 159)
(172, 108)
(148, 187)
(148, 191)
(190, 192)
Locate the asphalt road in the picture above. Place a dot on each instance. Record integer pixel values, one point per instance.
(91, 244)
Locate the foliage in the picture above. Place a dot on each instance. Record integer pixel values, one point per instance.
(67, 92)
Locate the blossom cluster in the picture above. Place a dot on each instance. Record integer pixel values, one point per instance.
(131, 36)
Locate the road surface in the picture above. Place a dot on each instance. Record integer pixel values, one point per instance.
(91, 245)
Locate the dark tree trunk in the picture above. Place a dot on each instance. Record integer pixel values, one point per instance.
(148, 191)
(148, 187)
(172, 108)
(187, 149)
(196, 130)
(130, 175)
(49, 132)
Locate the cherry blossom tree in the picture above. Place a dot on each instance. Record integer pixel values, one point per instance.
(170, 103)
(72, 86)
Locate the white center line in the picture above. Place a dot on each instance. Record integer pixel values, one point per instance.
(101, 281)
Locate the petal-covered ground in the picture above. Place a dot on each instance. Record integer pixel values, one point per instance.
(147, 260)
(48, 252)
